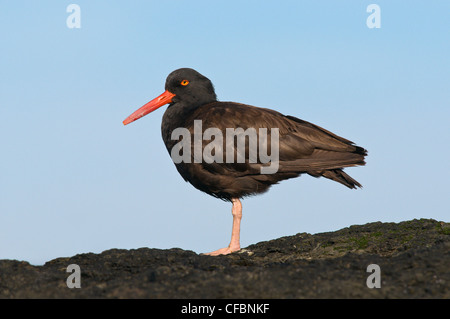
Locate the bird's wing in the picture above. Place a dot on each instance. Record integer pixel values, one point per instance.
(302, 146)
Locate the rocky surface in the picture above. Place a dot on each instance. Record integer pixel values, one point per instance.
(414, 259)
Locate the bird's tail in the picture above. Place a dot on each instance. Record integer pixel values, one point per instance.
(340, 176)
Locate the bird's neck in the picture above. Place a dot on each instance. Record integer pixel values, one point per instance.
(175, 116)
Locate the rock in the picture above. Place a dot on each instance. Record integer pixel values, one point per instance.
(413, 257)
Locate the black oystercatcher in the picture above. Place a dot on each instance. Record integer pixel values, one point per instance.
(194, 129)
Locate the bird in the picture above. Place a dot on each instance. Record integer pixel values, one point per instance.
(194, 113)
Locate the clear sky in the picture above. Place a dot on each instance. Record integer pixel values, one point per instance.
(75, 180)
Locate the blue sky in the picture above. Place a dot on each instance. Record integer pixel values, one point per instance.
(75, 180)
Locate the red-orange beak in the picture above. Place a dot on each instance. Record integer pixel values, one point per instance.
(154, 104)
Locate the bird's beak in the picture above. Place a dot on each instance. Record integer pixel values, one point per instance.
(154, 104)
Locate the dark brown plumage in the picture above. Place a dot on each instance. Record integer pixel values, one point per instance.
(304, 148)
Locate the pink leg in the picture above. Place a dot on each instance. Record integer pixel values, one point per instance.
(234, 243)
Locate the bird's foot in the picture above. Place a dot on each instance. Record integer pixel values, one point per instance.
(223, 251)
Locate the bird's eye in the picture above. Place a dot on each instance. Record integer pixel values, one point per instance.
(184, 82)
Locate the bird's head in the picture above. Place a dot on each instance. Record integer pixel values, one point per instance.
(183, 86)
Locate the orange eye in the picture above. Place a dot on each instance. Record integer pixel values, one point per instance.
(184, 82)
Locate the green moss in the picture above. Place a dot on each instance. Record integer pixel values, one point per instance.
(443, 228)
(361, 242)
(327, 244)
(377, 234)
(407, 238)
